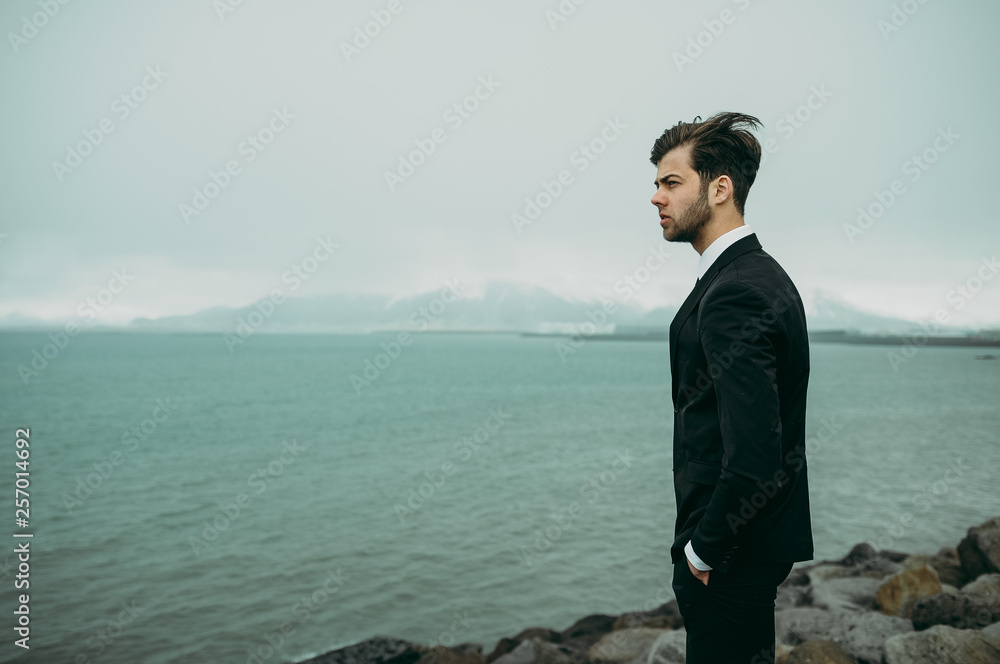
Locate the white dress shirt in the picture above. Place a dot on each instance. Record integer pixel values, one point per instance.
(720, 244)
(713, 251)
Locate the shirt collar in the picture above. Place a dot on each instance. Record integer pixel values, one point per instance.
(720, 244)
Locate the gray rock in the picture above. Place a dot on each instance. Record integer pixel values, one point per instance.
(819, 652)
(542, 633)
(537, 651)
(860, 635)
(586, 631)
(624, 645)
(444, 655)
(863, 560)
(987, 585)
(961, 610)
(669, 648)
(369, 651)
(992, 630)
(666, 616)
(843, 594)
(791, 596)
(943, 645)
(468, 647)
(503, 646)
(980, 550)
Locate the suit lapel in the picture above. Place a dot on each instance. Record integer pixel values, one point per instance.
(738, 248)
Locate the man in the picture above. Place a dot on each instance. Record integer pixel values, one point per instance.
(739, 360)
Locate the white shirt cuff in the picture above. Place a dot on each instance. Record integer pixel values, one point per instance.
(698, 563)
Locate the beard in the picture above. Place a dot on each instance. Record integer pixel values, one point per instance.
(688, 225)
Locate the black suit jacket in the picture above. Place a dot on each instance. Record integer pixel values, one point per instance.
(739, 360)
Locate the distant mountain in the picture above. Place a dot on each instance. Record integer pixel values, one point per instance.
(828, 311)
(502, 307)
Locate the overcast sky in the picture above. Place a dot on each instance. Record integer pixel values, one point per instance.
(849, 92)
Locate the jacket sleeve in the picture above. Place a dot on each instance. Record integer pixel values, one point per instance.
(740, 334)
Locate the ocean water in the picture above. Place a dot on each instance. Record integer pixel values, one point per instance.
(189, 504)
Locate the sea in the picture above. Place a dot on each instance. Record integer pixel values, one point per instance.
(189, 500)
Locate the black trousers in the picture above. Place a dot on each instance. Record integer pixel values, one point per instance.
(730, 620)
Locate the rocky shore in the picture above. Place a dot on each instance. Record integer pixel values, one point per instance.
(870, 607)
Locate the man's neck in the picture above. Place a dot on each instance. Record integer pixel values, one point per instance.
(714, 229)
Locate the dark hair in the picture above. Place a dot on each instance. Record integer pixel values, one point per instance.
(721, 145)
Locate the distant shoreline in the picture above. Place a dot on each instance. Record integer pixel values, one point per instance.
(822, 336)
(915, 338)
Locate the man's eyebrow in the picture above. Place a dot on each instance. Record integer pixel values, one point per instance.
(666, 177)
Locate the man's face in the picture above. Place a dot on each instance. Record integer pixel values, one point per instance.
(680, 198)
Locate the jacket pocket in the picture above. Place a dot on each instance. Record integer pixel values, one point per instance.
(702, 472)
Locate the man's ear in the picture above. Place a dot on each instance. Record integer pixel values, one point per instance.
(721, 189)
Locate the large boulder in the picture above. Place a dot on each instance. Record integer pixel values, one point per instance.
(537, 651)
(943, 645)
(980, 550)
(665, 616)
(819, 652)
(586, 631)
(503, 646)
(896, 596)
(443, 655)
(960, 610)
(624, 645)
(863, 560)
(792, 590)
(987, 585)
(843, 594)
(541, 633)
(370, 651)
(669, 648)
(946, 564)
(860, 635)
